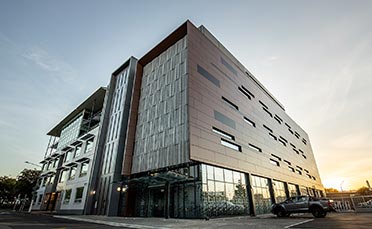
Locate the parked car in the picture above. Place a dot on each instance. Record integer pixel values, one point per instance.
(303, 204)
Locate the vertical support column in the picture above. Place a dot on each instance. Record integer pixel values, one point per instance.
(167, 200)
(298, 190)
(272, 192)
(251, 203)
(287, 194)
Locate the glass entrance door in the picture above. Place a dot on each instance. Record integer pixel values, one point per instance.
(157, 202)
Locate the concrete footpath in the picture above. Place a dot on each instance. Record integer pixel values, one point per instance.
(264, 221)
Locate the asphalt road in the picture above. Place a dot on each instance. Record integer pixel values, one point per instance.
(15, 220)
(341, 221)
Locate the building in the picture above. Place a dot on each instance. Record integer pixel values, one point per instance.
(188, 132)
(67, 163)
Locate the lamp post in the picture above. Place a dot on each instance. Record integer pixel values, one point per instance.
(28, 162)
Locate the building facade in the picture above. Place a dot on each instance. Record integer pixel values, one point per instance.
(188, 132)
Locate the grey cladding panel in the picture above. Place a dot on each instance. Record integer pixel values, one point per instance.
(162, 137)
(208, 76)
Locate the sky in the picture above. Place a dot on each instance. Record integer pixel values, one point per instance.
(315, 57)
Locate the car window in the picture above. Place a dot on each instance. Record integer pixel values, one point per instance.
(302, 199)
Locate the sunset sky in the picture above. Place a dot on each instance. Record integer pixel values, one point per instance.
(314, 56)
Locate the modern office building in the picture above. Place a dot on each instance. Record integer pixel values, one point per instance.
(67, 163)
(188, 132)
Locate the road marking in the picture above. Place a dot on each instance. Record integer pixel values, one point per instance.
(296, 224)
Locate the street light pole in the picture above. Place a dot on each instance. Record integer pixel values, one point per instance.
(28, 162)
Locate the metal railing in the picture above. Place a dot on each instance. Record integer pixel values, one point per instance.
(353, 204)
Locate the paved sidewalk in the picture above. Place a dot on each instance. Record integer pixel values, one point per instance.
(264, 221)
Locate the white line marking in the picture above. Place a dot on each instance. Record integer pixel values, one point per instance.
(296, 224)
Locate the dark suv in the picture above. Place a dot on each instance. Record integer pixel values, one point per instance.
(303, 204)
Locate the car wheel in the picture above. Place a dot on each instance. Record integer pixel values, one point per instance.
(318, 212)
(281, 212)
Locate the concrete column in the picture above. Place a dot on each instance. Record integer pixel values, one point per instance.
(250, 195)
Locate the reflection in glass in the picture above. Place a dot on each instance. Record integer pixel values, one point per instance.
(261, 194)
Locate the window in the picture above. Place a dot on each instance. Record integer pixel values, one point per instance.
(62, 177)
(68, 155)
(281, 141)
(278, 119)
(255, 148)
(296, 151)
(297, 135)
(267, 128)
(250, 122)
(43, 167)
(72, 173)
(79, 194)
(304, 141)
(246, 92)
(289, 163)
(313, 177)
(67, 197)
(274, 162)
(223, 133)
(291, 169)
(229, 103)
(299, 171)
(304, 156)
(276, 157)
(264, 105)
(293, 145)
(39, 199)
(301, 151)
(307, 171)
(55, 163)
(231, 145)
(77, 151)
(89, 145)
(309, 176)
(267, 111)
(208, 76)
(84, 169)
(272, 136)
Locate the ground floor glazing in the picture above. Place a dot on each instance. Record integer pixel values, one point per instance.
(206, 191)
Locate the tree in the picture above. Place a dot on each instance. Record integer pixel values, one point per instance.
(7, 188)
(331, 190)
(26, 181)
(363, 191)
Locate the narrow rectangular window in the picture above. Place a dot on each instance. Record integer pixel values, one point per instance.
(231, 145)
(283, 142)
(293, 145)
(255, 148)
(297, 135)
(246, 90)
(301, 151)
(291, 168)
(267, 128)
(274, 162)
(304, 156)
(296, 151)
(250, 122)
(208, 76)
(264, 105)
(309, 176)
(304, 141)
(278, 119)
(313, 177)
(231, 104)
(290, 131)
(223, 133)
(299, 171)
(267, 111)
(224, 119)
(299, 167)
(289, 163)
(245, 93)
(278, 158)
(273, 136)
(307, 171)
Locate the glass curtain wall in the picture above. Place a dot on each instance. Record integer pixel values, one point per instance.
(292, 190)
(303, 190)
(224, 192)
(261, 195)
(279, 191)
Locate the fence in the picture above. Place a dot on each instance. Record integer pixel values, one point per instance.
(353, 204)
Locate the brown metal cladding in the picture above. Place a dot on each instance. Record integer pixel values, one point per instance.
(205, 98)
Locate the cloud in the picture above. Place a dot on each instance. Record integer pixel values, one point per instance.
(53, 65)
